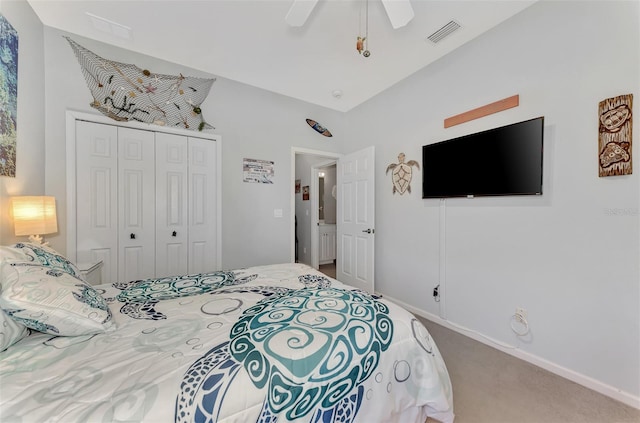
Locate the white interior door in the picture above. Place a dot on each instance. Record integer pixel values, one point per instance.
(355, 217)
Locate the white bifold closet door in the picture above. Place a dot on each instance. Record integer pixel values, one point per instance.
(115, 195)
(146, 202)
(185, 205)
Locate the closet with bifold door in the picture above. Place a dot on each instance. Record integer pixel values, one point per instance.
(145, 201)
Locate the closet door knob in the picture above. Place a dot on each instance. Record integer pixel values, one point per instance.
(174, 233)
(133, 236)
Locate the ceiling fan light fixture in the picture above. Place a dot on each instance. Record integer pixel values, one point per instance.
(299, 12)
(400, 12)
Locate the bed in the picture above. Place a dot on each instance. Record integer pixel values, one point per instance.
(262, 344)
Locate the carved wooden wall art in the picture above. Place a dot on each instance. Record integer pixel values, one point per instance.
(614, 136)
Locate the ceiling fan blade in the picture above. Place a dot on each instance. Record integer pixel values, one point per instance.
(400, 12)
(300, 11)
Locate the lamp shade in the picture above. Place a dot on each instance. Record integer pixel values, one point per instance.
(34, 215)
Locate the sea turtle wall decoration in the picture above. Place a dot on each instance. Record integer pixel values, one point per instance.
(401, 174)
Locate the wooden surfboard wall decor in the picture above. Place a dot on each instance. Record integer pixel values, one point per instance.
(489, 109)
(319, 128)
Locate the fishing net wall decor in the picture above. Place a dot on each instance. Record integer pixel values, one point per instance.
(125, 92)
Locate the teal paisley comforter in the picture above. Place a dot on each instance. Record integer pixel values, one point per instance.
(264, 344)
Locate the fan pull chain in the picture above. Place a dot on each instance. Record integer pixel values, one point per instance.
(362, 43)
(366, 52)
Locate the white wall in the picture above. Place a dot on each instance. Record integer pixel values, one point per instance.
(253, 124)
(570, 257)
(29, 178)
(261, 125)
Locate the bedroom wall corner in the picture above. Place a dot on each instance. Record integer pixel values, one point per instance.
(30, 154)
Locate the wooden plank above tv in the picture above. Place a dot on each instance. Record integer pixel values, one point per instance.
(498, 106)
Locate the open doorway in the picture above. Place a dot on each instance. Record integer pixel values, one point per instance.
(314, 204)
(326, 225)
(355, 215)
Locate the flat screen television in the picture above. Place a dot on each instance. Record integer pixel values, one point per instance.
(499, 161)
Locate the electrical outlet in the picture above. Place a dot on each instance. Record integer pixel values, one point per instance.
(521, 313)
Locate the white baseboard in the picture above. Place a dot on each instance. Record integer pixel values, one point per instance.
(569, 374)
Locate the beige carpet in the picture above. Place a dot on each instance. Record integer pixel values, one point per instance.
(490, 386)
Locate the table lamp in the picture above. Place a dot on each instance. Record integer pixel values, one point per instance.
(34, 216)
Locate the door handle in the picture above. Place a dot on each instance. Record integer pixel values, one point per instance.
(174, 233)
(369, 231)
(133, 236)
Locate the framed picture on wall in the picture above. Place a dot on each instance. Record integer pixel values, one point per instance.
(305, 192)
(298, 182)
(259, 171)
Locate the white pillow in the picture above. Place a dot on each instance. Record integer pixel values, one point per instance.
(12, 253)
(51, 300)
(48, 257)
(10, 331)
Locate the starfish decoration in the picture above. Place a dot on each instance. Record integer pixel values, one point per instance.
(150, 89)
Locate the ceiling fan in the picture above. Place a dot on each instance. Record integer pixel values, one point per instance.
(400, 12)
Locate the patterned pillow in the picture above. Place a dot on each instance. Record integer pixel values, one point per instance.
(47, 256)
(51, 300)
(10, 331)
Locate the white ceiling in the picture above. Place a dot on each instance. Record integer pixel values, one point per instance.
(250, 42)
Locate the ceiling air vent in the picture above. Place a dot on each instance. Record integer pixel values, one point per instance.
(443, 32)
(110, 27)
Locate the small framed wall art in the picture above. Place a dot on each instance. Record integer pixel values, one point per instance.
(259, 171)
(305, 192)
(297, 189)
